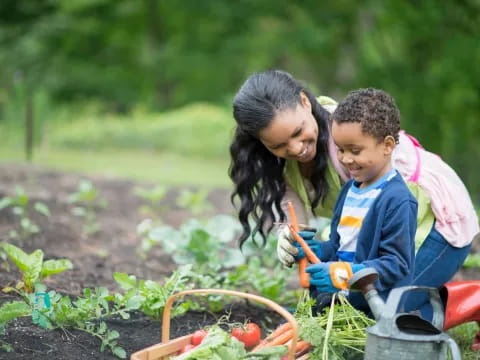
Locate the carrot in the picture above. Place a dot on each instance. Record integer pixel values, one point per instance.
(293, 216)
(308, 252)
(277, 332)
(304, 277)
(282, 339)
(302, 347)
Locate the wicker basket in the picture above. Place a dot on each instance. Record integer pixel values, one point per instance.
(168, 348)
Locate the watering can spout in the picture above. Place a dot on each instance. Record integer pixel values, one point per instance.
(364, 281)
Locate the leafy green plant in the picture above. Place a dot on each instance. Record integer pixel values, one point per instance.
(84, 314)
(153, 198)
(151, 295)
(209, 244)
(196, 241)
(338, 333)
(194, 201)
(12, 310)
(32, 266)
(19, 204)
(87, 200)
(463, 335)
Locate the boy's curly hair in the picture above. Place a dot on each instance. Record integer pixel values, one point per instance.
(374, 109)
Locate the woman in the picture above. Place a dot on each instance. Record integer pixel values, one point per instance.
(283, 151)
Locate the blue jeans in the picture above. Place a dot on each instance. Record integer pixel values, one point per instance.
(436, 263)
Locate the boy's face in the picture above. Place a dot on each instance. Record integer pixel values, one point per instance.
(366, 158)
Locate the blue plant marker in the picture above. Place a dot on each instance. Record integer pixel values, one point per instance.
(41, 308)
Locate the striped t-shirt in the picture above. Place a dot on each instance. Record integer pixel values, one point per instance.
(357, 203)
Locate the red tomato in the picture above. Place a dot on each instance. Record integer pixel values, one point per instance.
(186, 348)
(250, 334)
(198, 336)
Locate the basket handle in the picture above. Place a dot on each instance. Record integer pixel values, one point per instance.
(271, 304)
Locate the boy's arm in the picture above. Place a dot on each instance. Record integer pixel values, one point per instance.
(330, 247)
(397, 247)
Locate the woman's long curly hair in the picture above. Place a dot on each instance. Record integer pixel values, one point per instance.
(257, 174)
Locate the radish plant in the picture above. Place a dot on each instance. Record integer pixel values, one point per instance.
(194, 201)
(32, 266)
(87, 201)
(152, 198)
(19, 205)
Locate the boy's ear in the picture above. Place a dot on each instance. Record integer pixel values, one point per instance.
(305, 101)
(389, 143)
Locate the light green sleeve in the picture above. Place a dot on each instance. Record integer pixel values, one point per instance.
(294, 178)
(425, 217)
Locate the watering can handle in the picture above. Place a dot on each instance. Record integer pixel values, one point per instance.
(454, 350)
(433, 295)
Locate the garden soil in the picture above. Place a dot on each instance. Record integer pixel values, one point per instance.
(96, 257)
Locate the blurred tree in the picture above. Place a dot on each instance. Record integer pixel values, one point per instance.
(426, 54)
(163, 54)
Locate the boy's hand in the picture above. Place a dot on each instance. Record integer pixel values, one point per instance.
(286, 250)
(332, 276)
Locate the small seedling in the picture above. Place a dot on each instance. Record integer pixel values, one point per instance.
(153, 198)
(87, 202)
(32, 266)
(19, 204)
(195, 201)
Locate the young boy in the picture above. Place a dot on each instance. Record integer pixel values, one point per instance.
(374, 219)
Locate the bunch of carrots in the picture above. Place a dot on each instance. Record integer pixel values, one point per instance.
(283, 336)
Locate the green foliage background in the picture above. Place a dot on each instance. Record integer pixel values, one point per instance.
(130, 57)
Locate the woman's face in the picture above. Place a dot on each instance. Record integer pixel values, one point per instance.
(293, 133)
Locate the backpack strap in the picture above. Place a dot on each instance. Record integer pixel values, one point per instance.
(417, 146)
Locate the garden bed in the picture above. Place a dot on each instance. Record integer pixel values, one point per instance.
(96, 257)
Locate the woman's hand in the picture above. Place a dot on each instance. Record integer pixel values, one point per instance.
(286, 249)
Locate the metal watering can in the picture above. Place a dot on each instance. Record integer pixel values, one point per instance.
(397, 336)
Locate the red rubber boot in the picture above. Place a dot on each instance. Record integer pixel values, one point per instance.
(462, 299)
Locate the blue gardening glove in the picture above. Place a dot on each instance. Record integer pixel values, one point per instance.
(314, 245)
(332, 276)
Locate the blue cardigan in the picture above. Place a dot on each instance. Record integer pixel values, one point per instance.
(385, 241)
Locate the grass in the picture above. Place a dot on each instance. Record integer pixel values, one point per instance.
(165, 168)
(463, 335)
(184, 146)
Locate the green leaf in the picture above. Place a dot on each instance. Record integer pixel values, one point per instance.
(119, 352)
(112, 335)
(18, 256)
(79, 211)
(34, 267)
(102, 328)
(135, 302)
(125, 281)
(17, 210)
(21, 197)
(42, 208)
(233, 258)
(224, 227)
(12, 310)
(5, 202)
(51, 267)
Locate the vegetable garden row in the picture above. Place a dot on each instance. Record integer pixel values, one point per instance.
(120, 312)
